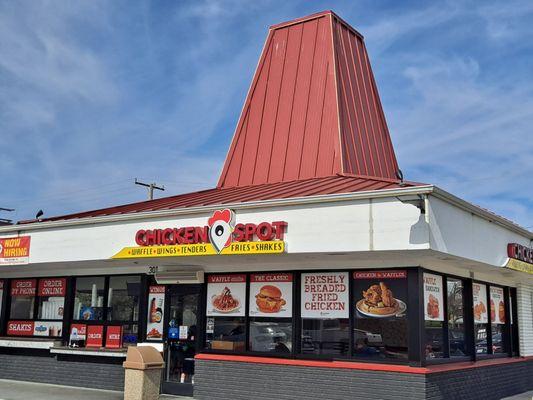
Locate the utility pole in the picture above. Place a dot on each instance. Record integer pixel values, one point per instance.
(151, 187)
(5, 221)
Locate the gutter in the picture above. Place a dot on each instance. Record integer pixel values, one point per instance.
(324, 198)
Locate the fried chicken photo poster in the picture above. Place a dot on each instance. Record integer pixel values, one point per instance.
(380, 294)
(226, 295)
(479, 294)
(433, 297)
(271, 295)
(497, 306)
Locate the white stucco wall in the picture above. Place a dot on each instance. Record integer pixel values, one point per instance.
(524, 300)
(350, 226)
(464, 234)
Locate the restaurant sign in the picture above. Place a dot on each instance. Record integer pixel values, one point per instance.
(520, 258)
(220, 236)
(15, 251)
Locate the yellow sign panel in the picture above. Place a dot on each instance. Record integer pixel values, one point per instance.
(201, 249)
(521, 266)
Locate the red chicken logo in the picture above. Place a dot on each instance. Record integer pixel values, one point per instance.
(221, 226)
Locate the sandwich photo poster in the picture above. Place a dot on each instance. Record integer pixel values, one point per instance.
(380, 294)
(433, 297)
(271, 295)
(226, 295)
(325, 295)
(497, 306)
(479, 294)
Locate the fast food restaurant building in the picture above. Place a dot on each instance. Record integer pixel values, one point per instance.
(312, 271)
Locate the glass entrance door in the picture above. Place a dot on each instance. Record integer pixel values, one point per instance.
(181, 339)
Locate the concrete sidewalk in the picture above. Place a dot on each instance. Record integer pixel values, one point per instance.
(18, 390)
(522, 396)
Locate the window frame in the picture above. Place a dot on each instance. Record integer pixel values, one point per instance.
(141, 321)
(5, 314)
(297, 318)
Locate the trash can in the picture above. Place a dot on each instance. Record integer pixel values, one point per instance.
(143, 367)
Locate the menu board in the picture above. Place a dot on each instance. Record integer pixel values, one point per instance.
(23, 287)
(271, 295)
(156, 307)
(226, 295)
(325, 295)
(380, 294)
(433, 297)
(479, 294)
(497, 305)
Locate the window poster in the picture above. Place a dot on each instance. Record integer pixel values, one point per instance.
(20, 328)
(52, 287)
(48, 328)
(433, 297)
(1, 295)
(156, 307)
(380, 294)
(325, 295)
(226, 295)
(271, 295)
(479, 294)
(497, 305)
(23, 287)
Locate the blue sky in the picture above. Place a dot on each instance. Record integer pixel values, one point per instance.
(94, 94)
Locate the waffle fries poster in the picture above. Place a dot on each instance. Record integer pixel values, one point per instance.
(221, 235)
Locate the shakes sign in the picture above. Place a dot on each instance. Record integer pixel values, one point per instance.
(220, 236)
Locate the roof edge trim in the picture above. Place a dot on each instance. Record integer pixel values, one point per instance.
(324, 198)
(480, 212)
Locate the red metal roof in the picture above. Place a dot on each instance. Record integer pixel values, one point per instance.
(220, 196)
(312, 110)
(312, 124)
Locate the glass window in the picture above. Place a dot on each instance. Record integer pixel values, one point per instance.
(51, 307)
(51, 294)
(270, 303)
(479, 294)
(272, 336)
(325, 336)
(89, 299)
(498, 319)
(456, 327)
(325, 312)
(130, 334)
(223, 333)
(225, 311)
(22, 307)
(381, 329)
(123, 298)
(434, 347)
(22, 298)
